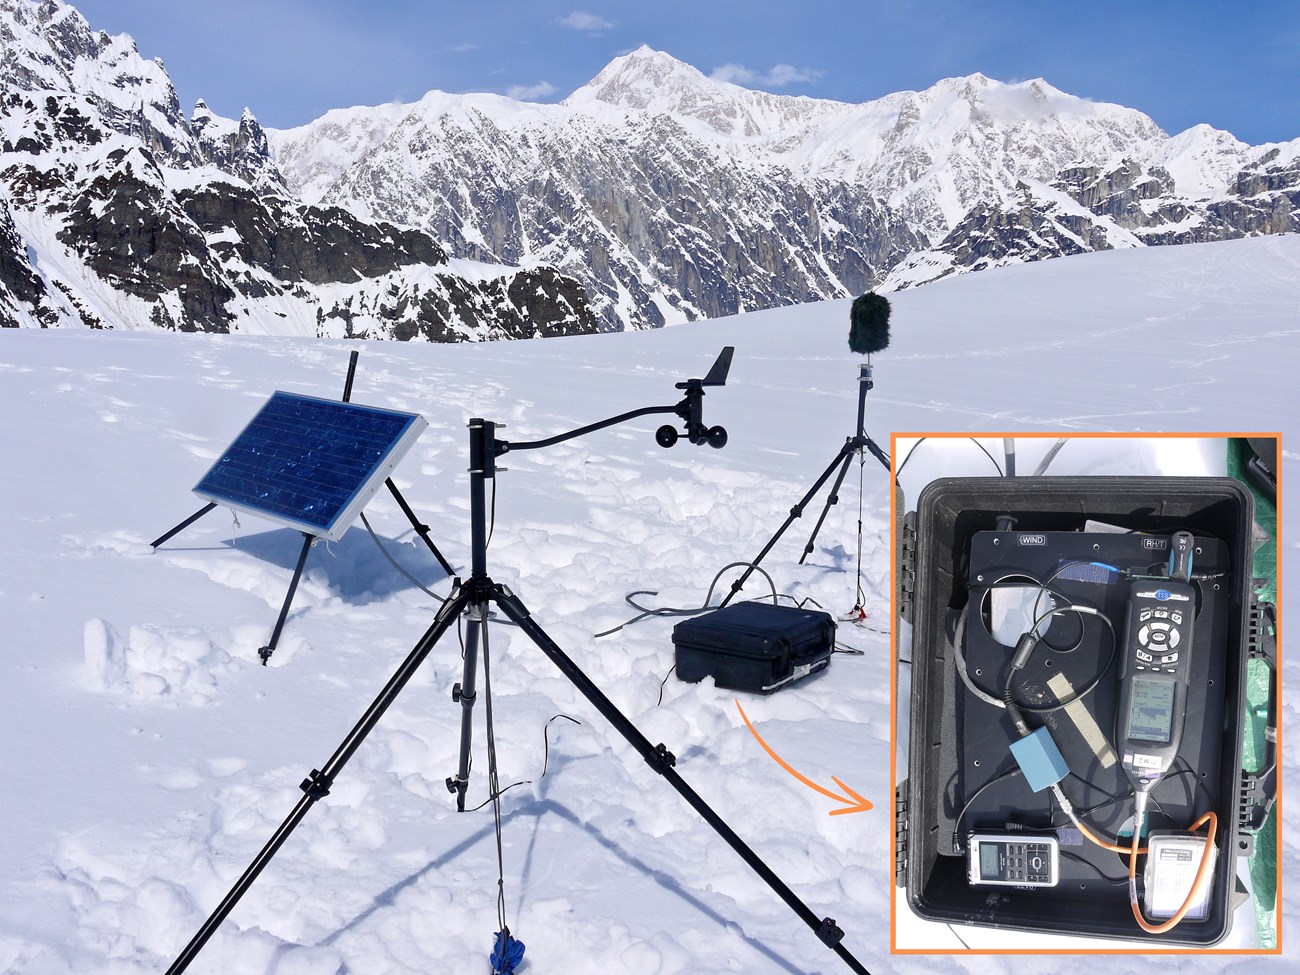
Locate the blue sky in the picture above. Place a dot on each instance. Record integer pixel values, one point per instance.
(1235, 66)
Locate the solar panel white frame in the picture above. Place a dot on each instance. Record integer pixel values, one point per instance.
(359, 494)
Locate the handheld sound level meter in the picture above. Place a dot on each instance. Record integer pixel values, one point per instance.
(1154, 667)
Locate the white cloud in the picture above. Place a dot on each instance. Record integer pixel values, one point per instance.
(778, 76)
(735, 74)
(531, 93)
(464, 48)
(787, 74)
(581, 20)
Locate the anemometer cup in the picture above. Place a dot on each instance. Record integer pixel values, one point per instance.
(716, 436)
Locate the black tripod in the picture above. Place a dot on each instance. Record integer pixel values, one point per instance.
(476, 597)
(853, 447)
(308, 539)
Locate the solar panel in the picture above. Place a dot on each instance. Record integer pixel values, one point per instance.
(310, 463)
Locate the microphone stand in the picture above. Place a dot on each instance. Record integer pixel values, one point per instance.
(853, 447)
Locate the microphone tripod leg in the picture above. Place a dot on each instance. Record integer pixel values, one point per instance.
(832, 499)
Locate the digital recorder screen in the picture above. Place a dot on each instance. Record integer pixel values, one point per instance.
(990, 867)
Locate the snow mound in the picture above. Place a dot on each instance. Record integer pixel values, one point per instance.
(174, 663)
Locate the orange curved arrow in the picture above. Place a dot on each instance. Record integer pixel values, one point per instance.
(854, 802)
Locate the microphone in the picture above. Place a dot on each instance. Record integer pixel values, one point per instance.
(869, 323)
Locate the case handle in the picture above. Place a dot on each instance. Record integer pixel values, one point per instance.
(1259, 788)
(801, 670)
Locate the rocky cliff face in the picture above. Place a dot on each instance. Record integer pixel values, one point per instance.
(24, 299)
(673, 197)
(656, 226)
(116, 211)
(1128, 204)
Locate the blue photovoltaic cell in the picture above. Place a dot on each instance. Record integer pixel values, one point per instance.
(308, 461)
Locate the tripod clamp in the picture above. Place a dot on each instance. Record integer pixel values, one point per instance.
(662, 759)
(317, 785)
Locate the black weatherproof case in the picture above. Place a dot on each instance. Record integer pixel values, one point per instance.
(969, 536)
(757, 647)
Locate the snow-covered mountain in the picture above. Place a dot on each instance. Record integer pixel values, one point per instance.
(116, 211)
(673, 196)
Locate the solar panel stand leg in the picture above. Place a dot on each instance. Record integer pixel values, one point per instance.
(184, 524)
(352, 375)
(266, 651)
(421, 529)
(317, 785)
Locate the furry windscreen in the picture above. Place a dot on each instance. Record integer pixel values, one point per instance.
(869, 323)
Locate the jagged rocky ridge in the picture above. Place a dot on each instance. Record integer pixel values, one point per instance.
(673, 197)
(116, 211)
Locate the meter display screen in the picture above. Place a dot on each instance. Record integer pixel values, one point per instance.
(1151, 712)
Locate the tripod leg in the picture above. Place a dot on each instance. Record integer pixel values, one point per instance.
(184, 524)
(317, 785)
(831, 499)
(465, 695)
(876, 452)
(266, 651)
(662, 761)
(797, 511)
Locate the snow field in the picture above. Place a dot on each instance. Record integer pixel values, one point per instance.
(152, 755)
(581, 560)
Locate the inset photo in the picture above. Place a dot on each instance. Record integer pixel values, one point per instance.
(1086, 703)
